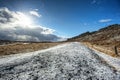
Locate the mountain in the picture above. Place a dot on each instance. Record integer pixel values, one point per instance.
(104, 39)
(107, 35)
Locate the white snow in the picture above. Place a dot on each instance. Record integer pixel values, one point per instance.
(113, 61)
(70, 61)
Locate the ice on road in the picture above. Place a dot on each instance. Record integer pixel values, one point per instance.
(70, 61)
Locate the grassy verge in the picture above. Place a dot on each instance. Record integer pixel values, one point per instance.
(107, 49)
(24, 47)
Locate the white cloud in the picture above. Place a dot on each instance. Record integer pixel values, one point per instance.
(17, 26)
(105, 20)
(36, 9)
(35, 13)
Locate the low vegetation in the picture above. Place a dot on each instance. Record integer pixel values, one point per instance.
(21, 47)
(110, 50)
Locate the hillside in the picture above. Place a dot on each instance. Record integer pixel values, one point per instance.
(104, 38)
(70, 61)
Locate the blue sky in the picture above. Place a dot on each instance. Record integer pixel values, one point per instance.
(69, 17)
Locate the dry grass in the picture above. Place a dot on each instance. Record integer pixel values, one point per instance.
(107, 49)
(15, 48)
(21, 48)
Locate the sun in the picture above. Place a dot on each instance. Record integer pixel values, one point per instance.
(24, 19)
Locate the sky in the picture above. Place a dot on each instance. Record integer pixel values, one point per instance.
(61, 18)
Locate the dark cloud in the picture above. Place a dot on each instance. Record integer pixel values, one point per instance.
(11, 29)
(5, 15)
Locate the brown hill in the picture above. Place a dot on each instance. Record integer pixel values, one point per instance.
(104, 38)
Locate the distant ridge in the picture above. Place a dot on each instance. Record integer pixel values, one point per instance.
(104, 40)
(107, 35)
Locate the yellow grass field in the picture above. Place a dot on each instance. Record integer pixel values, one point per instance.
(15, 48)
